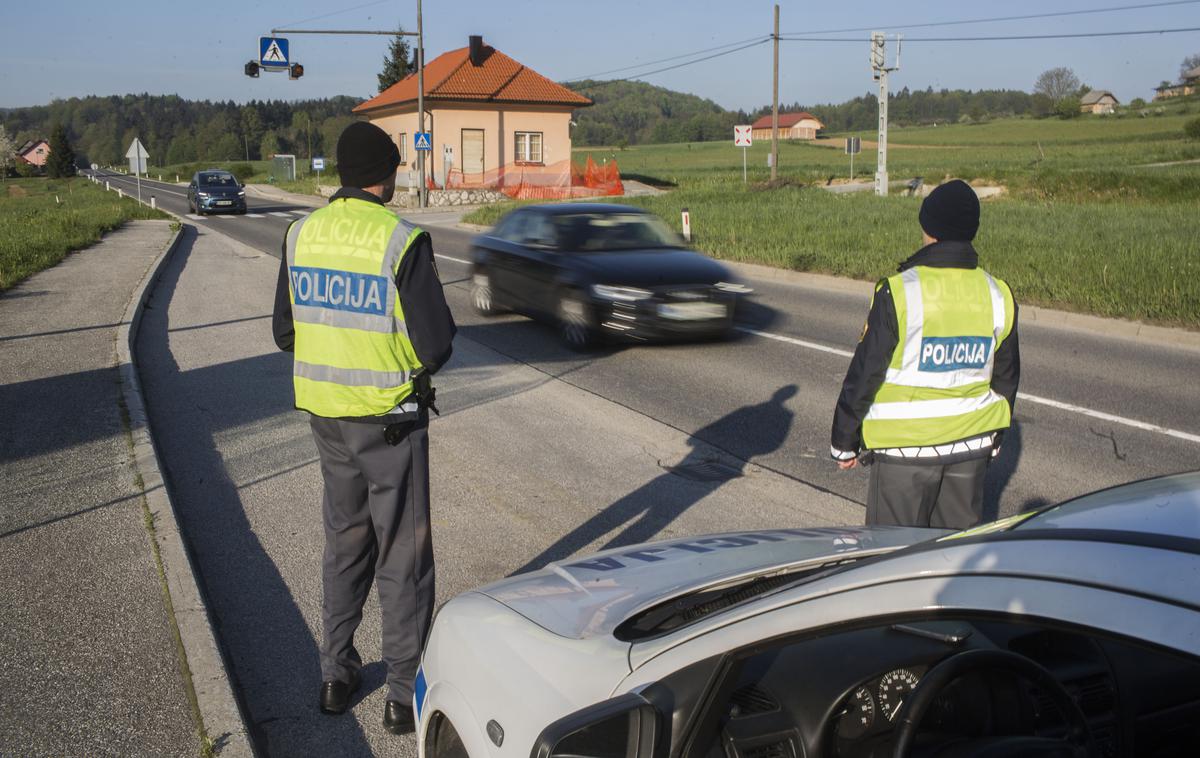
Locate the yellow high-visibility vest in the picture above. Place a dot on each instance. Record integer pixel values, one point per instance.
(353, 356)
(938, 388)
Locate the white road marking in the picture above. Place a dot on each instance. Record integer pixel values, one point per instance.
(194, 217)
(1070, 408)
(255, 215)
(456, 260)
(281, 214)
(300, 213)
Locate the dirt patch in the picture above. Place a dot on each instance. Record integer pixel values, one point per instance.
(15, 191)
(780, 183)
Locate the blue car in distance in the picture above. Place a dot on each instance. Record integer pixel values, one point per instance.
(215, 190)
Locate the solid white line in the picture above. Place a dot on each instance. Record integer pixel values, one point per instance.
(794, 341)
(1110, 417)
(1070, 408)
(456, 260)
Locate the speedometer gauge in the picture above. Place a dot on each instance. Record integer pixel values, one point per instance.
(893, 688)
(858, 716)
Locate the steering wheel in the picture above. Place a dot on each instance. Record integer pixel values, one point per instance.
(1077, 744)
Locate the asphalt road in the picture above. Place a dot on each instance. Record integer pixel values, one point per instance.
(541, 453)
(1051, 453)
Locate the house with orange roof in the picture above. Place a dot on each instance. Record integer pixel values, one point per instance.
(801, 125)
(496, 116)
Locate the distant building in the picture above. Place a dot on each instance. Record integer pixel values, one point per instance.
(34, 152)
(802, 125)
(1188, 85)
(1098, 101)
(493, 113)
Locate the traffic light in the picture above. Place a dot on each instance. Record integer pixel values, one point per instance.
(251, 69)
(295, 71)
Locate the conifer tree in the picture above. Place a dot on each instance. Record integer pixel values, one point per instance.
(61, 161)
(398, 62)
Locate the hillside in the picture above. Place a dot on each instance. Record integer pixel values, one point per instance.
(176, 130)
(637, 113)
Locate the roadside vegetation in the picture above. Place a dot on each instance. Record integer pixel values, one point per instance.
(1084, 224)
(42, 220)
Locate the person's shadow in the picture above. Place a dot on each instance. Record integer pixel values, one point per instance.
(646, 511)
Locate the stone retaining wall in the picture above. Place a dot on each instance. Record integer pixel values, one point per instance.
(444, 198)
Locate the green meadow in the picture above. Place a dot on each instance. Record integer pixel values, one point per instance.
(1083, 224)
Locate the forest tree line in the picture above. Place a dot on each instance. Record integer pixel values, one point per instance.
(176, 130)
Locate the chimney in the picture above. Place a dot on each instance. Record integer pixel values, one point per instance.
(476, 49)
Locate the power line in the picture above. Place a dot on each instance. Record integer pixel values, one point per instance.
(343, 10)
(671, 58)
(1079, 35)
(1000, 18)
(681, 65)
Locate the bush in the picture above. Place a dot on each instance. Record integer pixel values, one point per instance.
(1192, 128)
(1068, 107)
(242, 171)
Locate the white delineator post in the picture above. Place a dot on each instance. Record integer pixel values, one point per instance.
(687, 225)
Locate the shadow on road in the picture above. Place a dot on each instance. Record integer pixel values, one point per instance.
(263, 633)
(646, 511)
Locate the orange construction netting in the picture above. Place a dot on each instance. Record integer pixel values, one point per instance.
(557, 181)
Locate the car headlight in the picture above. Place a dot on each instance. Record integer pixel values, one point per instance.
(241, 193)
(628, 294)
(201, 194)
(737, 289)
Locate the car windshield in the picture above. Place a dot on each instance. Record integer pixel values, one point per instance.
(592, 232)
(217, 180)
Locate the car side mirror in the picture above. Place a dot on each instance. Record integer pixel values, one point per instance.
(626, 726)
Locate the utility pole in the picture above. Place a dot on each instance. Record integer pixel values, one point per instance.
(880, 68)
(775, 104)
(423, 192)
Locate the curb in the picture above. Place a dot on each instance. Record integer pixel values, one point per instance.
(220, 714)
(1045, 317)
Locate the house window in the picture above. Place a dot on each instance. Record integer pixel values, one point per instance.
(402, 143)
(528, 147)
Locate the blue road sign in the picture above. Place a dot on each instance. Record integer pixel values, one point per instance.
(318, 164)
(422, 141)
(273, 52)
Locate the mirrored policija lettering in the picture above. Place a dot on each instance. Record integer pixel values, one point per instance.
(849, 538)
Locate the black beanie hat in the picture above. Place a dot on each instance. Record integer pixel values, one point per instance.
(365, 155)
(951, 212)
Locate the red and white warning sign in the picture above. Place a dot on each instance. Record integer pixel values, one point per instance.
(741, 136)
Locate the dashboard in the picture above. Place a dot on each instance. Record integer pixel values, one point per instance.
(839, 695)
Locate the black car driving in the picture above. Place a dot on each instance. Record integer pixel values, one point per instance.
(599, 270)
(215, 190)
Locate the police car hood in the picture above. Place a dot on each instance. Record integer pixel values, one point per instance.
(589, 596)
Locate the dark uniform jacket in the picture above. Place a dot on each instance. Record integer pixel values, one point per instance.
(868, 367)
(426, 315)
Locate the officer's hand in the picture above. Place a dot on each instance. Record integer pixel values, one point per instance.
(847, 465)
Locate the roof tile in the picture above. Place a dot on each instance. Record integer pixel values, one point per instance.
(452, 76)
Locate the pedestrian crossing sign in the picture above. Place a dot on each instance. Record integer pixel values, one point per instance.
(422, 141)
(273, 52)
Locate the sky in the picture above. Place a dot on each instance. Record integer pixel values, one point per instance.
(198, 50)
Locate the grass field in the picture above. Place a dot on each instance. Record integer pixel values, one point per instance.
(1083, 227)
(41, 220)
(249, 172)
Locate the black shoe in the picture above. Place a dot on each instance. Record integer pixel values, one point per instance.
(335, 695)
(398, 718)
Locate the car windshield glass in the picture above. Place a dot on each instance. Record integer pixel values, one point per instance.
(217, 180)
(590, 232)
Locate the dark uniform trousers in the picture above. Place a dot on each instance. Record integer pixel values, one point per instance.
(376, 514)
(906, 494)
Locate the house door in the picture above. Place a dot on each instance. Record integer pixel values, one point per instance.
(472, 156)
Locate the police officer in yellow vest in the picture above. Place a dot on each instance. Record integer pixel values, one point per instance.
(360, 304)
(932, 384)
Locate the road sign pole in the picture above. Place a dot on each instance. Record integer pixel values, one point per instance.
(851, 166)
(423, 192)
(744, 179)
